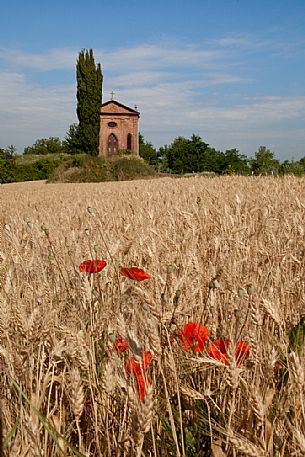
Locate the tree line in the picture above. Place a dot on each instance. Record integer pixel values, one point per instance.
(182, 156)
(193, 155)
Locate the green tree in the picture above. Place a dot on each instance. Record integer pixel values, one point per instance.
(7, 166)
(293, 167)
(178, 156)
(44, 146)
(264, 162)
(234, 162)
(11, 150)
(148, 152)
(72, 141)
(191, 155)
(89, 98)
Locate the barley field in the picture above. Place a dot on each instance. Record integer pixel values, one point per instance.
(197, 353)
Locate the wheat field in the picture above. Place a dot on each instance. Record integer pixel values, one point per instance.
(225, 252)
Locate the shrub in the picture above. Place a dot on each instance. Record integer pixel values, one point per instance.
(37, 169)
(130, 167)
(85, 168)
(44, 146)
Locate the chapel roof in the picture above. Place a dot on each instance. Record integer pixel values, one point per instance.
(109, 108)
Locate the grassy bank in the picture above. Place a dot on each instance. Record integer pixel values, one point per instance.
(79, 168)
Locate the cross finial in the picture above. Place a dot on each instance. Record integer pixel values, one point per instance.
(112, 95)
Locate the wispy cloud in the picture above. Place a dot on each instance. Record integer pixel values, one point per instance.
(52, 59)
(163, 55)
(30, 111)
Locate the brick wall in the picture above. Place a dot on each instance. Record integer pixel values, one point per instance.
(120, 122)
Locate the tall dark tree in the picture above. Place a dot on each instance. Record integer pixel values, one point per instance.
(89, 98)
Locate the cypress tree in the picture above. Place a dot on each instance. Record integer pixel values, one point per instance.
(89, 98)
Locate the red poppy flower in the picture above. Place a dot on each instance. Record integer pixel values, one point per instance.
(121, 344)
(193, 337)
(242, 351)
(142, 383)
(132, 366)
(135, 273)
(218, 349)
(146, 359)
(138, 370)
(92, 266)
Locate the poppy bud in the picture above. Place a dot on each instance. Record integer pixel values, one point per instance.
(178, 294)
(249, 289)
(214, 284)
(240, 292)
(45, 230)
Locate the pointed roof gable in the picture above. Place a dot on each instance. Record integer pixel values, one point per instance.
(114, 107)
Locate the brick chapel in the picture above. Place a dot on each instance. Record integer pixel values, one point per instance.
(119, 128)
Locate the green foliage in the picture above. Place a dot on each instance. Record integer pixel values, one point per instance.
(126, 168)
(7, 166)
(148, 152)
(264, 162)
(297, 336)
(65, 161)
(72, 141)
(191, 156)
(89, 98)
(234, 162)
(44, 146)
(36, 167)
(85, 168)
(81, 168)
(295, 168)
(196, 433)
(54, 435)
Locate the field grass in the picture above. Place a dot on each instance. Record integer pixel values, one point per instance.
(224, 252)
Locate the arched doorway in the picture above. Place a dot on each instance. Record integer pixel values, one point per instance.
(112, 144)
(129, 141)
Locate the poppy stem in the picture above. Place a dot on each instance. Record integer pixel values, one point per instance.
(246, 319)
(203, 309)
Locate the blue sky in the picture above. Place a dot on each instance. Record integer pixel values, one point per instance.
(231, 71)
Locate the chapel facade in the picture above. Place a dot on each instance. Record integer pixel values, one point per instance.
(118, 128)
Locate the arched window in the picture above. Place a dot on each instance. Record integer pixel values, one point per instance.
(112, 144)
(129, 141)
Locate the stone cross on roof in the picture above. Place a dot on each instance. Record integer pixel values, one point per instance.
(112, 95)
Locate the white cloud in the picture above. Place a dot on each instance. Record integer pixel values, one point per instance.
(53, 59)
(29, 111)
(164, 55)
